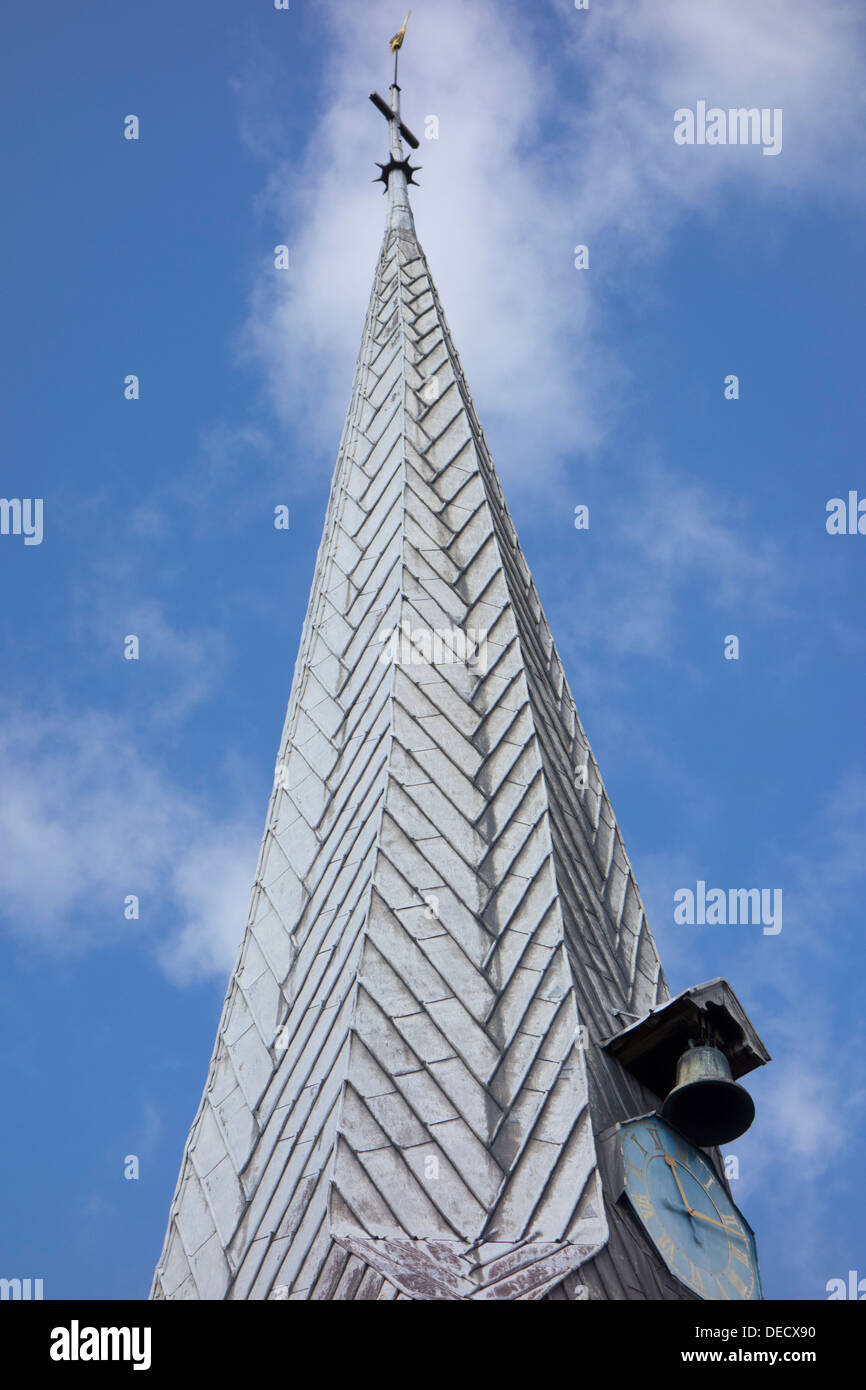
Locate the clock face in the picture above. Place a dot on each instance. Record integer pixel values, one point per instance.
(687, 1213)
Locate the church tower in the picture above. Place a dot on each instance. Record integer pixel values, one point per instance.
(448, 1005)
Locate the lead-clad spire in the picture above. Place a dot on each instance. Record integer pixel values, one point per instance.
(407, 1091)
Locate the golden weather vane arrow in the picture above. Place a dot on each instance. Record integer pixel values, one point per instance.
(396, 43)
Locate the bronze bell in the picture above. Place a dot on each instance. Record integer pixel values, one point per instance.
(707, 1105)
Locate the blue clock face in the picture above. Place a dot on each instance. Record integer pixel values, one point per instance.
(687, 1213)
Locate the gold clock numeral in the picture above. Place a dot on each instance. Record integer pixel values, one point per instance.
(654, 1135)
(733, 1225)
(667, 1246)
(682, 1155)
(738, 1283)
(636, 1172)
(644, 1205)
(635, 1140)
(740, 1254)
(695, 1278)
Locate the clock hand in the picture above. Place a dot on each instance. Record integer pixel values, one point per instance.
(672, 1165)
(720, 1224)
(692, 1211)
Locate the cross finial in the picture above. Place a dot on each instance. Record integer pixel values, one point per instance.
(398, 172)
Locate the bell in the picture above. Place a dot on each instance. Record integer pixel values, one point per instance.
(707, 1105)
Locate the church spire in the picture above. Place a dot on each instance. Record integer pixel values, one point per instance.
(414, 1092)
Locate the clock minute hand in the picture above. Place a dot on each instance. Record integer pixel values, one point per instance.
(672, 1165)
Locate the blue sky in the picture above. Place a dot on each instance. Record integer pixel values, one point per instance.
(603, 386)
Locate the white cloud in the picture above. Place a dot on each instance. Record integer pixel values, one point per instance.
(178, 668)
(534, 157)
(668, 541)
(801, 1118)
(211, 886)
(85, 819)
(190, 664)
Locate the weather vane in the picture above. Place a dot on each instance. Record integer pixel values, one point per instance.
(396, 43)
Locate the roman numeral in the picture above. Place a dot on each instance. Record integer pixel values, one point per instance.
(635, 1140)
(654, 1135)
(637, 1172)
(667, 1246)
(644, 1205)
(738, 1283)
(740, 1254)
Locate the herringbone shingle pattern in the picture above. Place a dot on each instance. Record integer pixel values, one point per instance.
(406, 1085)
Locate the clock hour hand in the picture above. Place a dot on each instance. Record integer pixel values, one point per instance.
(720, 1224)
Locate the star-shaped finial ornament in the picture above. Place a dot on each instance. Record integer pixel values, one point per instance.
(408, 170)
